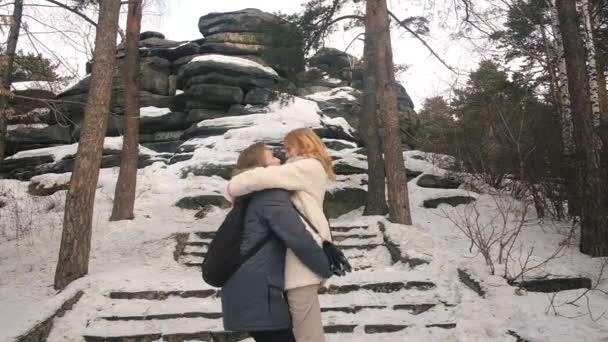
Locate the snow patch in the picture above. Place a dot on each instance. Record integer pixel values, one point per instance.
(230, 61)
(53, 87)
(342, 93)
(153, 112)
(60, 152)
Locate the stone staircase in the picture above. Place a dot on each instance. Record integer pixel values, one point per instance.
(369, 304)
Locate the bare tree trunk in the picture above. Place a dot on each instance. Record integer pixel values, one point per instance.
(11, 48)
(75, 247)
(588, 38)
(594, 230)
(568, 144)
(124, 195)
(376, 187)
(602, 92)
(381, 66)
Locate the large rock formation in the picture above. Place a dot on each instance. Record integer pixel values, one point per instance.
(251, 32)
(196, 94)
(218, 82)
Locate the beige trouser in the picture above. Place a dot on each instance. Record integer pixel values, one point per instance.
(306, 314)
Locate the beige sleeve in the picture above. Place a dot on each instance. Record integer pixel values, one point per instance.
(298, 175)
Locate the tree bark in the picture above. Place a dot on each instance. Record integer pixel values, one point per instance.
(594, 232)
(381, 66)
(376, 187)
(75, 246)
(568, 144)
(124, 195)
(11, 48)
(589, 40)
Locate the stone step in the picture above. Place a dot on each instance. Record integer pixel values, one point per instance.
(359, 259)
(345, 229)
(378, 288)
(149, 315)
(345, 331)
(200, 264)
(199, 330)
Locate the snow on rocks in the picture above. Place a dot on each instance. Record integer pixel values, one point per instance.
(153, 112)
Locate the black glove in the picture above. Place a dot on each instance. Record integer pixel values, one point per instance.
(338, 263)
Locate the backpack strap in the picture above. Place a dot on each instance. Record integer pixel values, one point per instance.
(312, 226)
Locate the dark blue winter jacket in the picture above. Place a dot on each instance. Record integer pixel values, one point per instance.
(253, 299)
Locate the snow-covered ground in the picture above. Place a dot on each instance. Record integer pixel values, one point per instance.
(138, 256)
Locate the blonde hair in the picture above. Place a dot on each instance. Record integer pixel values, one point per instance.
(308, 144)
(249, 158)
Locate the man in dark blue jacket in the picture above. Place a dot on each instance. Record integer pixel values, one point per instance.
(253, 299)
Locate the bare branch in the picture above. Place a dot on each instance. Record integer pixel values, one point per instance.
(73, 10)
(417, 36)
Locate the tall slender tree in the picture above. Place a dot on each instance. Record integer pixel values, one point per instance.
(381, 69)
(73, 261)
(376, 187)
(124, 195)
(9, 60)
(594, 230)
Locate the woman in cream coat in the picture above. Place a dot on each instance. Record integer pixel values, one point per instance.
(306, 173)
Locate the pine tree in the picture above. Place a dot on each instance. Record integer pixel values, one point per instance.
(5, 82)
(74, 251)
(124, 195)
(594, 230)
(381, 71)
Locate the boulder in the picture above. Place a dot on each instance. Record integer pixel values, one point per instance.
(216, 106)
(254, 38)
(216, 93)
(338, 145)
(239, 109)
(151, 34)
(343, 201)
(171, 53)
(197, 131)
(233, 49)
(154, 42)
(198, 115)
(342, 102)
(24, 169)
(329, 131)
(452, 200)
(241, 81)
(11, 167)
(173, 121)
(436, 182)
(209, 170)
(164, 147)
(247, 20)
(23, 106)
(331, 60)
(24, 138)
(224, 65)
(35, 116)
(258, 96)
(345, 169)
(199, 202)
(48, 185)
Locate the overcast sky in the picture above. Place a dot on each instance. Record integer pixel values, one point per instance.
(178, 20)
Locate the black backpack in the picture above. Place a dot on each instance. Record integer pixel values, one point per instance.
(224, 253)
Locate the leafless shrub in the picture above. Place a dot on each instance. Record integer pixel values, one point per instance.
(496, 234)
(583, 299)
(23, 217)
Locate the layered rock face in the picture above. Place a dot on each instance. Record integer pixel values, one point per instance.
(201, 93)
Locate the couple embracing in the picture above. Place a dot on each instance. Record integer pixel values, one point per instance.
(274, 294)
